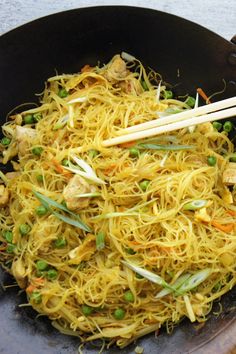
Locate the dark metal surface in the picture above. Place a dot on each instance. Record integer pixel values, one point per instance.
(187, 55)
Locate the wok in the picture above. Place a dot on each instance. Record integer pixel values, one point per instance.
(188, 56)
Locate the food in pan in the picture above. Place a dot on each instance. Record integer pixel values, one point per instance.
(115, 242)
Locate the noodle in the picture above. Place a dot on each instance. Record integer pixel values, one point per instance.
(136, 200)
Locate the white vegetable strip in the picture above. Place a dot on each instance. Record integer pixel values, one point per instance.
(78, 100)
(128, 57)
(189, 309)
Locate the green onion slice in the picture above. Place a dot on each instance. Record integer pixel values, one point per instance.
(195, 204)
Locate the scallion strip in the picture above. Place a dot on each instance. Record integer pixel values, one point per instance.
(154, 278)
(195, 204)
(100, 240)
(176, 285)
(163, 147)
(194, 280)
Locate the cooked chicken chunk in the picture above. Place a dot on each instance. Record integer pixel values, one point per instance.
(131, 86)
(229, 174)
(23, 137)
(4, 195)
(84, 251)
(19, 273)
(116, 69)
(12, 175)
(77, 185)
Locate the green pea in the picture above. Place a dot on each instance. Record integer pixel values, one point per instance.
(37, 150)
(52, 274)
(10, 248)
(8, 235)
(144, 185)
(128, 296)
(228, 126)
(217, 125)
(211, 160)
(41, 265)
(87, 310)
(36, 297)
(5, 141)
(28, 119)
(60, 243)
(41, 210)
(37, 117)
(130, 251)
(65, 162)
(119, 314)
(63, 93)
(139, 276)
(39, 178)
(133, 152)
(168, 94)
(190, 101)
(93, 153)
(24, 229)
(232, 158)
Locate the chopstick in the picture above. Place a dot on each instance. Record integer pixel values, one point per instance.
(175, 122)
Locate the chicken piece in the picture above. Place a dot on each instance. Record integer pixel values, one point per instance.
(227, 197)
(77, 185)
(84, 251)
(12, 175)
(202, 215)
(229, 174)
(205, 128)
(116, 70)
(19, 273)
(4, 195)
(24, 137)
(131, 86)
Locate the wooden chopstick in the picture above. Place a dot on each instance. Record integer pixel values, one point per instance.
(175, 125)
(212, 107)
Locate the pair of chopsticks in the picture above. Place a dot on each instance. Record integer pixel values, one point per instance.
(204, 114)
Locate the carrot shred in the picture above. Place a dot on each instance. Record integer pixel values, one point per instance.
(225, 228)
(39, 280)
(231, 212)
(60, 169)
(86, 68)
(128, 144)
(30, 288)
(203, 95)
(109, 169)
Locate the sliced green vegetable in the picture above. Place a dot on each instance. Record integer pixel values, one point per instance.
(211, 160)
(163, 147)
(130, 251)
(37, 117)
(129, 296)
(93, 153)
(100, 240)
(144, 85)
(65, 162)
(24, 229)
(194, 280)
(190, 101)
(228, 126)
(77, 223)
(195, 204)
(8, 235)
(217, 125)
(168, 94)
(87, 310)
(119, 314)
(5, 141)
(148, 275)
(176, 285)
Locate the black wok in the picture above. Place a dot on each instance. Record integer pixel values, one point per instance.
(188, 56)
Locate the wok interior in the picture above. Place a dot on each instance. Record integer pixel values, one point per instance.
(186, 55)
